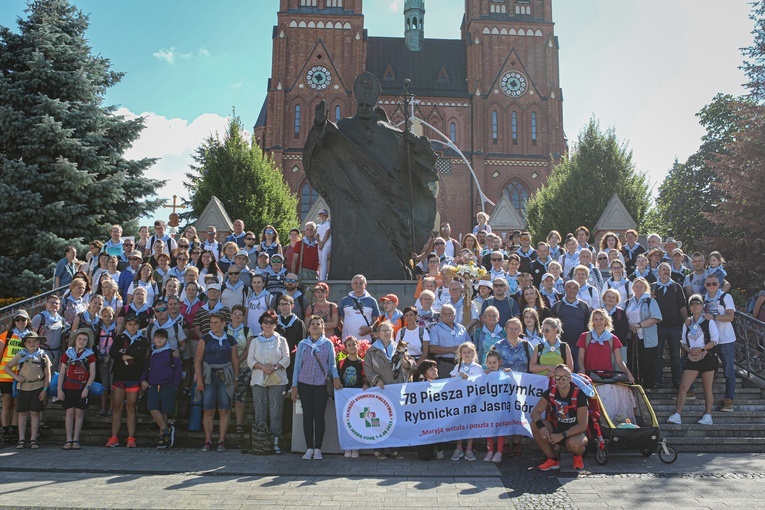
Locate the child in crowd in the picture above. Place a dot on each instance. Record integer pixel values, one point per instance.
(32, 381)
(161, 378)
(494, 362)
(428, 371)
(76, 375)
(715, 268)
(128, 352)
(465, 368)
(555, 269)
(351, 372)
(513, 264)
(106, 335)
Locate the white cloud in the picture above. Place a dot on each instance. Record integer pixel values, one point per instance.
(167, 55)
(203, 52)
(395, 5)
(173, 140)
(237, 85)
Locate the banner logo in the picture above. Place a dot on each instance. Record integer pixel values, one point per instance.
(369, 417)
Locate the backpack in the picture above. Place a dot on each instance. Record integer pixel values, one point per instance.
(555, 409)
(150, 330)
(402, 331)
(563, 351)
(77, 371)
(750, 304)
(44, 360)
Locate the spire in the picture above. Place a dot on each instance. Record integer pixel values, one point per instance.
(414, 19)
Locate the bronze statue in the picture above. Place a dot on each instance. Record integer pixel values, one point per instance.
(360, 167)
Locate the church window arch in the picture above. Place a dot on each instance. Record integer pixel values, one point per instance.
(338, 113)
(308, 197)
(453, 132)
(514, 127)
(297, 120)
(518, 195)
(534, 128)
(293, 24)
(495, 126)
(302, 24)
(320, 24)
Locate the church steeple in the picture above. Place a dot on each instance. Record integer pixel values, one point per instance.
(414, 19)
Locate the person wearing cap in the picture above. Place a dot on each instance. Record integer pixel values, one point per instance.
(65, 268)
(292, 290)
(77, 372)
(241, 261)
(324, 233)
(720, 308)
(10, 345)
(211, 243)
(262, 264)
(391, 313)
(214, 304)
(32, 381)
(699, 339)
(126, 276)
(358, 310)
(678, 267)
(547, 290)
(129, 353)
(238, 235)
(669, 246)
(275, 274)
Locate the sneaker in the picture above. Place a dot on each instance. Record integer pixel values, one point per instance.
(354, 454)
(675, 418)
(162, 442)
(497, 458)
(457, 455)
(131, 442)
(548, 465)
(470, 456)
(206, 447)
(578, 462)
(308, 454)
(221, 447)
(516, 449)
(347, 454)
(317, 454)
(727, 405)
(489, 456)
(112, 442)
(171, 439)
(439, 454)
(380, 455)
(705, 420)
(277, 450)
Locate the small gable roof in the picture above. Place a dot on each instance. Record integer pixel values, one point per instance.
(505, 216)
(313, 212)
(615, 217)
(214, 214)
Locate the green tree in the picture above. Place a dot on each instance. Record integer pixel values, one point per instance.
(579, 189)
(62, 172)
(247, 182)
(689, 192)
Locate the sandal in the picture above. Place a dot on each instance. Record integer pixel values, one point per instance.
(21, 444)
(33, 444)
(68, 445)
(76, 445)
(239, 429)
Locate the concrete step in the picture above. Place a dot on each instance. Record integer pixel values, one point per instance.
(744, 444)
(718, 430)
(691, 416)
(716, 388)
(698, 405)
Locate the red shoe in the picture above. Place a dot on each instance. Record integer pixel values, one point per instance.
(549, 464)
(112, 442)
(131, 442)
(578, 462)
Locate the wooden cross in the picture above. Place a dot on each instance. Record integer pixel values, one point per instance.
(175, 204)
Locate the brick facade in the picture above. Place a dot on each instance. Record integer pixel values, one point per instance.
(319, 46)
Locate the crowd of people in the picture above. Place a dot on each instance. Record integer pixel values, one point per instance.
(165, 318)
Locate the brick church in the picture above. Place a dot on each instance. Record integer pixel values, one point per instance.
(495, 93)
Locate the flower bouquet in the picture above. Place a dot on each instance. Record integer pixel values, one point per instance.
(341, 353)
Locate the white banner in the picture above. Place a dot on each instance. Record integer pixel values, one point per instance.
(491, 405)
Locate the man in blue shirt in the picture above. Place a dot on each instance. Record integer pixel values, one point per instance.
(65, 268)
(507, 306)
(445, 339)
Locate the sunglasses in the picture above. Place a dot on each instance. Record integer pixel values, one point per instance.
(711, 284)
(499, 285)
(126, 245)
(269, 322)
(163, 309)
(196, 252)
(496, 260)
(270, 232)
(602, 258)
(440, 244)
(249, 238)
(290, 280)
(562, 377)
(232, 273)
(20, 319)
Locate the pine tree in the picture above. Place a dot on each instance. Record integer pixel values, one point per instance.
(580, 187)
(62, 172)
(247, 182)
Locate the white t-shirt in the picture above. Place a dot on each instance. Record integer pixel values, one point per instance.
(321, 230)
(151, 290)
(715, 307)
(473, 369)
(413, 338)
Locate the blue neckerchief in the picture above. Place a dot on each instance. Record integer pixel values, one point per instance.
(310, 243)
(133, 338)
(544, 264)
(638, 274)
(259, 296)
(453, 330)
(30, 356)
(88, 319)
(162, 272)
(143, 308)
(631, 251)
(395, 317)
(265, 247)
(575, 304)
(19, 334)
(217, 306)
(663, 286)
(251, 251)
(546, 347)
(560, 285)
(715, 270)
(617, 284)
(262, 339)
(167, 325)
(225, 260)
(174, 271)
(695, 323)
(71, 353)
(111, 302)
(190, 305)
(602, 339)
(494, 334)
(220, 339)
(108, 329)
(573, 257)
(532, 334)
(551, 296)
(314, 346)
(292, 318)
(713, 299)
(526, 255)
(240, 283)
(165, 347)
(556, 252)
(387, 350)
(234, 331)
(51, 318)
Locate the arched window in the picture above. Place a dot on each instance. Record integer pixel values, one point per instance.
(518, 195)
(297, 121)
(494, 126)
(534, 128)
(337, 113)
(307, 198)
(515, 127)
(453, 132)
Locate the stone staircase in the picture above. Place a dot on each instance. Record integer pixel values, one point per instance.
(742, 430)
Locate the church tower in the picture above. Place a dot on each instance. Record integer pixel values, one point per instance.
(414, 19)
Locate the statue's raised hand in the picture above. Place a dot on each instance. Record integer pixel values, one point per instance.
(321, 113)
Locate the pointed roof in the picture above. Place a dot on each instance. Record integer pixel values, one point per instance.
(505, 216)
(215, 215)
(313, 212)
(615, 217)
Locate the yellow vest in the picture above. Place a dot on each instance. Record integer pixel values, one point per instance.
(12, 347)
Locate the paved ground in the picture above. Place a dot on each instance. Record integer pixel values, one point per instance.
(181, 478)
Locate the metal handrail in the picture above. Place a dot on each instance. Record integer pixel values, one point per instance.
(33, 306)
(750, 348)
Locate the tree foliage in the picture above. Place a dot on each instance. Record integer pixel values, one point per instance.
(247, 182)
(689, 192)
(579, 189)
(62, 172)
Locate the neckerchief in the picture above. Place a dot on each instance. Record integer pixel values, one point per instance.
(546, 347)
(494, 334)
(240, 283)
(234, 331)
(310, 242)
(638, 274)
(52, 319)
(575, 304)
(560, 285)
(262, 339)
(217, 306)
(614, 284)
(532, 334)
(715, 270)
(143, 308)
(631, 251)
(387, 350)
(20, 334)
(30, 356)
(292, 318)
(225, 260)
(165, 347)
(268, 247)
(453, 330)
(88, 319)
(395, 317)
(713, 299)
(663, 286)
(133, 338)
(162, 272)
(551, 296)
(188, 305)
(167, 325)
(314, 346)
(602, 339)
(526, 255)
(111, 302)
(220, 339)
(71, 353)
(544, 264)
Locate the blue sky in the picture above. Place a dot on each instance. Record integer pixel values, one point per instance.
(643, 67)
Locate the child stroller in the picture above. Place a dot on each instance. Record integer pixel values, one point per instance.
(621, 418)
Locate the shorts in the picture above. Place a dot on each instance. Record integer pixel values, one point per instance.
(72, 398)
(215, 395)
(162, 398)
(707, 364)
(6, 388)
(29, 401)
(128, 386)
(242, 383)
